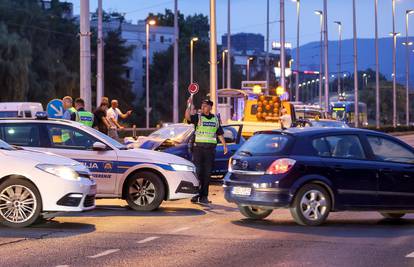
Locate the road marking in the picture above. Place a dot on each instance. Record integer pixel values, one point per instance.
(106, 252)
(62, 265)
(148, 239)
(411, 255)
(180, 230)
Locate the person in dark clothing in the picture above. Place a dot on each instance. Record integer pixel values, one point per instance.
(101, 122)
(207, 130)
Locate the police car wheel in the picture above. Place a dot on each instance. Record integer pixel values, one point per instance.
(20, 203)
(145, 191)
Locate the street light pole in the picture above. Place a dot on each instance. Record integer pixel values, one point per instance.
(100, 63)
(282, 45)
(85, 54)
(248, 68)
(213, 55)
(175, 78)
(320, 13)
(326, 57)
(407, 68)
(147, 74)
(228, 46)
(297, 48)
(394, 76)
(377, 91)
(267, 48)
(356, 97)
(194, 39)
(339, 55)
(223, 64)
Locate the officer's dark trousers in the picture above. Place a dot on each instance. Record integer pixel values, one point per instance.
(203, 158)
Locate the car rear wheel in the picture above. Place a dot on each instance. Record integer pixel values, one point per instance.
(20, 203)
(394, 216)
(145, 191)
(254, 213)
(311, 206)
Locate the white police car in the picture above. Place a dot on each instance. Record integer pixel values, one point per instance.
(33, 184)
(143, 178)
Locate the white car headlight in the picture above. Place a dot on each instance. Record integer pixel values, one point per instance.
(61, 171)
(182, 168)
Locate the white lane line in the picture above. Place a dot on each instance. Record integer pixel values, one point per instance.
(148, 239)
(106, 252)
(411, 255)
(180, 230)
(62, 265)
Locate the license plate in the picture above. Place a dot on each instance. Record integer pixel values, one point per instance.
(242, 191)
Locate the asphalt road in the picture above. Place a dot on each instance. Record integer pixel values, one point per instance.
(184, 234)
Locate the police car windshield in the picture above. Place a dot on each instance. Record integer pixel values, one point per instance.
(5, 146)
(106, 138)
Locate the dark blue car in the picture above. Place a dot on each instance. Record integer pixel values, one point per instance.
(176, 139)
(314, 171)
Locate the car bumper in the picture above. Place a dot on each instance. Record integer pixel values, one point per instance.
(182, 184)
(261, 194)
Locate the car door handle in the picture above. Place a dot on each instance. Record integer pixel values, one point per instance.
(338, 168)
(407, 176)
(386, 170)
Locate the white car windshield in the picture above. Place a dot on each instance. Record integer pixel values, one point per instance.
(5, 146)
(106, 138)
(176, 133)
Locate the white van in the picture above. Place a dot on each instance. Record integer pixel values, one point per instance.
(19, 109)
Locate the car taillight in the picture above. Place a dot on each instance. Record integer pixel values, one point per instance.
(281, 166)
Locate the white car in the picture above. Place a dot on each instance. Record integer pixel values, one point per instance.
(144, 178)
(33, 184)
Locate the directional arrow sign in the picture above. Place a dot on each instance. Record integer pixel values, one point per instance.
(55, 109)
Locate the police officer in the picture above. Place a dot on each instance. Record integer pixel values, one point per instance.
(70, 111)
(81, 115)
(207, 129)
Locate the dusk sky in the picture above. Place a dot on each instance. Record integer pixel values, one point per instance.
(250, 16)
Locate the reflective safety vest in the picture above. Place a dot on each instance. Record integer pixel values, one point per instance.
(85, 117)
(73, 110)
(206, 130)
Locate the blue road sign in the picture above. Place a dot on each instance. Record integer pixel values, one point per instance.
(55, 109)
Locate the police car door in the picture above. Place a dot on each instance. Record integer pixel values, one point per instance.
(77, 144)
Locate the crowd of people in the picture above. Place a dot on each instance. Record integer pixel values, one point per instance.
(105, 118)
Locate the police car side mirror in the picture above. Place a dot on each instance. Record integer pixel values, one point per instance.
(98, 146)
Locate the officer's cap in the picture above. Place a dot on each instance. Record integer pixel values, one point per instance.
(207, 102)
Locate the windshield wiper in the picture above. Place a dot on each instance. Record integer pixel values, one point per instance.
(246, 153)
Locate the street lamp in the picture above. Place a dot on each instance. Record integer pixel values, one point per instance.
(394, 78)
(407, 68)
(356, 96)
(149, 23)
(320, 14)
(339, 55)
(377, 91)
(194, 39)
(223, 63)
(248, 68)
(326, 56)
(297, 47)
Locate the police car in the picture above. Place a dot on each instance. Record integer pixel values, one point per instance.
(143, 178)
(33, 184)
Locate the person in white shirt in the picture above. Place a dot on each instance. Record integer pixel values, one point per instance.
(113, 115)
(285, 119)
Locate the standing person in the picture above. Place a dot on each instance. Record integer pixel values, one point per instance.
(83, 116)
(100, 120)
(285, 119)
(112, 116)
(69, 109)
(207, 129)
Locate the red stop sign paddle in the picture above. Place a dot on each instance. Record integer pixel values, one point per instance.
(193, 88)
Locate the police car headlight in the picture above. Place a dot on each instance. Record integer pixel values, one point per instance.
(182, 168)
(60, 171)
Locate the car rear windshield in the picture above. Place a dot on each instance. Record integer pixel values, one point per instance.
(265, 144)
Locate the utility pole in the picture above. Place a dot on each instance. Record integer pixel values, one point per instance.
(297, 49)
(228, 45)
(325, 43)
(192, 41)
(175, 78)
(223, 64)
(100, 63)
(356, 98)
(147, 71)
(267, 50)
(339, 55)
(320, 14)
(407, 69)
(213, 55)
(377, 91)
(282, 45)
(394, 69)
(85, 54)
